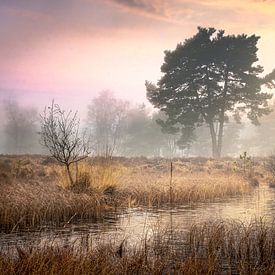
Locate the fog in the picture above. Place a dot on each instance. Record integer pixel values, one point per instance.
(118, 127)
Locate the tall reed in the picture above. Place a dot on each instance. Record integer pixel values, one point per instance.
(210, 248)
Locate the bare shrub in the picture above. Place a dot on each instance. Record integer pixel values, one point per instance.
(60, 134)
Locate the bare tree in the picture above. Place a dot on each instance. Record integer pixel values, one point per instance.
(60, 133)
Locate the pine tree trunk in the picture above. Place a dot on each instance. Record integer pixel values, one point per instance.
(220, 137)
(221, 120)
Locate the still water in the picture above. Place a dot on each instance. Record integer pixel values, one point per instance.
(133, 225)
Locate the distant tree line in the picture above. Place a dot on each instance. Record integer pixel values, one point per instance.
(120, 129)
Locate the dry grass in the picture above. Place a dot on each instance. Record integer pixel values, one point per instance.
(154, 190)
(148, 184)
(37, 203)
(94, 177)
(211, 248)
(35, 191)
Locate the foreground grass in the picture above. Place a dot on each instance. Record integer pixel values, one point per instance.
(24, 205)
(34, 191)
(210, 248)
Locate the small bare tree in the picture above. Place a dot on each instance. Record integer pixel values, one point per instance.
(60, 133)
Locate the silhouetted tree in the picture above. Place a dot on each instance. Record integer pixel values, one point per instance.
(60, 133)
(106, 117)
(208, 77)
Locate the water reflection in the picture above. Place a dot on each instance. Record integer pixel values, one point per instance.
(133, 225)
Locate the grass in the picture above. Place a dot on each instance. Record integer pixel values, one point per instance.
(35, 190)
(154, 190)
(209, 248)
(24, 205)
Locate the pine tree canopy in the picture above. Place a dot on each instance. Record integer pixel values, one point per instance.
(209, 77)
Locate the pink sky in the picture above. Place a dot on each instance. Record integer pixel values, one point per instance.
(72, 49)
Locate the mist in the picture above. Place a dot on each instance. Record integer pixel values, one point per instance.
(118, 127)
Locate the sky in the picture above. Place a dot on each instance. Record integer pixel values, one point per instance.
(69, 50)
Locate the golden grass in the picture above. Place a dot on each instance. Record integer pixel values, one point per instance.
(99, 176)
(148, 184)
(29, 204)
(210, 248)
(35, 191)
(154, 190)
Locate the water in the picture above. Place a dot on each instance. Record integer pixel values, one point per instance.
(133, 225)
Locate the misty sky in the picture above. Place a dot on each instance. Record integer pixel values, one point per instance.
(72, 49)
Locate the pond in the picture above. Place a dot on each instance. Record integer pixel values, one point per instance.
(133, 224)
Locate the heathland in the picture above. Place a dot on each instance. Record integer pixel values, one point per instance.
(35, 193)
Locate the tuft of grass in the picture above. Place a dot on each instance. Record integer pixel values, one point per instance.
(102, 175)
(90, 177)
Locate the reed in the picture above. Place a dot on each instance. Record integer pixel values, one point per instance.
(223, 247)
(156, 190)
(35, 191)
(31, 204)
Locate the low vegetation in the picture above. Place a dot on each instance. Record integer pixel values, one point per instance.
(30, 204)
(36, 191)
(154, 190)
(209, 248)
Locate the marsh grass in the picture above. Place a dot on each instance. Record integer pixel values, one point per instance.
(221, 247)
(149, 185)
(32, 203)
(154, 189)
(36, 192)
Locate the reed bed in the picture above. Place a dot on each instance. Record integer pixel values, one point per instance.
(35, 191)
(152, 186)
(32, 203)
(223, 247)
(156, 190)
